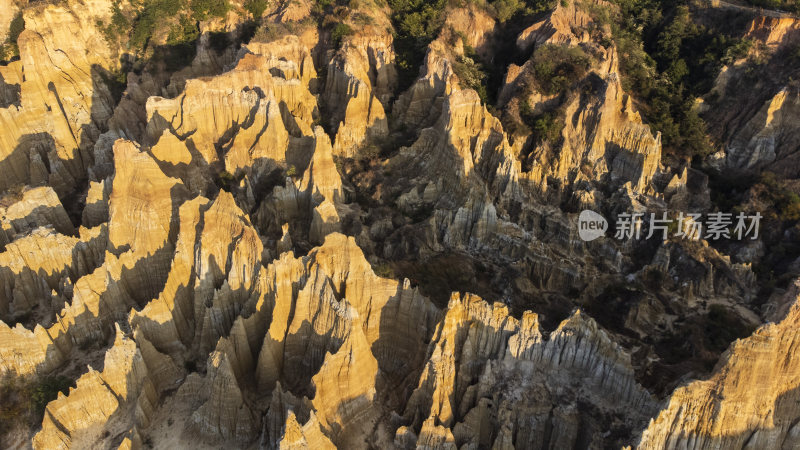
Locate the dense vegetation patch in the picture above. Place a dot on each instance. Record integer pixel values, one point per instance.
(545, 127)
(667, 61)
(416, 24)
(556, 67)
(22, 402)
(506, 10)
(204, 9)
(152, 13)
(256, 7)
(179, 18)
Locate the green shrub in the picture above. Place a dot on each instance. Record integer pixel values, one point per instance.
(368, 152)
(472, 75)
(183, 32)
(783, 200)
(45, 390)
(225, 180)
(737, 50)
(16, 27)
(180, 48)
(546, 127)
(790, 208)
(384, 270)
(339, 32)
(506, 9)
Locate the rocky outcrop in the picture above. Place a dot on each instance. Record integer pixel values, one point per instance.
(142, 195)
(603, 141)
(485, 367)
(774, 31)
(420, 105)
(609, 136)
(234, 110)
(567, 24)
(225, 412)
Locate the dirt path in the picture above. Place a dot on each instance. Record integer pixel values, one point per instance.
(755, 10)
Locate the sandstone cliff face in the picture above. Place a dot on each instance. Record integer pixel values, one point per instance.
(38, 207)
(48, 134)
(364, 336)
(770, 138)
(751, 401)
(773, 31)
(105, 404)
(38, 270)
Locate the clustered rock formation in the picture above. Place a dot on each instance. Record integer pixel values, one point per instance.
(217, 264)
